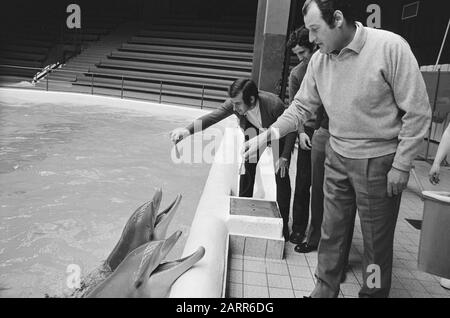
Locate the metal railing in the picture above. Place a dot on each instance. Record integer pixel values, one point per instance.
(123, 78)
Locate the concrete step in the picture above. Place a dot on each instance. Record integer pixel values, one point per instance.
(179, 69)
(85, 60)
(201, 61)
(68, 77)
(74, 64)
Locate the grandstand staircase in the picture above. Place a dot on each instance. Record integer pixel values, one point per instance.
(26, 50)
(32, 43)
(61, 79)
(173, 60)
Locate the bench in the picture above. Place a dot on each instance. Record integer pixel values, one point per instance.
(193, 43)
(179, 50)
(197, 36)
(185, 60)
(174, 69)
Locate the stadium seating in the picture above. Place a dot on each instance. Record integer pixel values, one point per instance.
(184, 60)
(176, 58)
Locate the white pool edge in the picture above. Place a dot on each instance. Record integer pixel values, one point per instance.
(211, 227)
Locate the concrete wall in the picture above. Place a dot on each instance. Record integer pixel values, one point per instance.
(270, 41)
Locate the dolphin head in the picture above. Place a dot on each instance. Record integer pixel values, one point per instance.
(145, 225)
(142, 273)
(128, 276)
(137, 231)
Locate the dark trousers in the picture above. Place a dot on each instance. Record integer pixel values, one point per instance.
(300, 207)
(247, 182)
(319, 141)
(360, 184)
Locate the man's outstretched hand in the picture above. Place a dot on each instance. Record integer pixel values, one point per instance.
(305, 142)
(178, 134)
(251, 147)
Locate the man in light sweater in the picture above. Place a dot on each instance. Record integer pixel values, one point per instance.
(369, 82)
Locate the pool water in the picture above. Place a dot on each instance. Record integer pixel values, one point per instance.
(70, 176)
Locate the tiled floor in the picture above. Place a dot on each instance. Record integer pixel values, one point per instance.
(294, 275)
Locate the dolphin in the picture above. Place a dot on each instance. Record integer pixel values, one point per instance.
(141, 274)
(137, 231)
(143, 226)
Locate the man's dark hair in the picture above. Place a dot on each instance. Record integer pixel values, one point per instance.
(300, 37)
(327, 8)
(246, 86)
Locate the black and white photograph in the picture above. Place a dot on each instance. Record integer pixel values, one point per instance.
(241, 151)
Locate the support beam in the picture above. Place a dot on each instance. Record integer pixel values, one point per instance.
(270, 40)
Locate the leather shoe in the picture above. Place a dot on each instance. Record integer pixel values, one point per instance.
(296, 238)
(304, 248)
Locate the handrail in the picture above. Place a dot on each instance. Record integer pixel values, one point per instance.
(122, 77)
(88, 72)
(22, 67)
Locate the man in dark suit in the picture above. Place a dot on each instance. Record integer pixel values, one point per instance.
(256, 111)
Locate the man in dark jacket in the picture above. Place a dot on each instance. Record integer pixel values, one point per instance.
(256, 111)
(300, 46)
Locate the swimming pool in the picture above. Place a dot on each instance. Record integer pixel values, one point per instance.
(72, 172)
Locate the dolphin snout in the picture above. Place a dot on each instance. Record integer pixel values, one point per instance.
(164, 218)
(169, 243)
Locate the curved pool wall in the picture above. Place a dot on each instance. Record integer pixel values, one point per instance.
(213, 224)
(69, 205)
